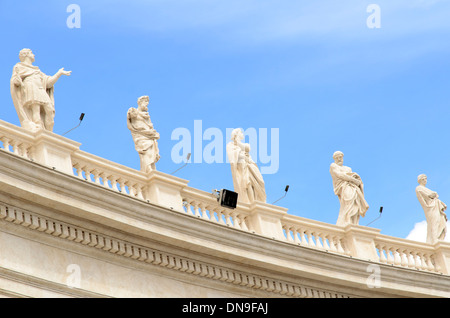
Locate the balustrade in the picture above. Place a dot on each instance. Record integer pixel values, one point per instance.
(406, 253)
(204, 205)
(318, 235)
(109, 175)
(16, 140)
(200, 204)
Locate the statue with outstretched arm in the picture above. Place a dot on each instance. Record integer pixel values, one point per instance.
(32, 93)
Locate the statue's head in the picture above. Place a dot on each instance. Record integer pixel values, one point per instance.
(237, 134)
(143, 102)
(338, 157)
(26, 53)
(422, 179)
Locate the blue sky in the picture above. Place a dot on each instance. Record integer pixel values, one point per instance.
(311, 69)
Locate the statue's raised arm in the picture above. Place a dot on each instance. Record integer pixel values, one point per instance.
(32, 93)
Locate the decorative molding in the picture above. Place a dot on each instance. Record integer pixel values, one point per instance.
(126, 249)
(34, 285)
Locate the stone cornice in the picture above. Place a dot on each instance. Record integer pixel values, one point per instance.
(37, 287)
(97, 218)
(129, 250)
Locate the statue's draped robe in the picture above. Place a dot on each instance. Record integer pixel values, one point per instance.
(145, 138)
(351, 196)
(32, 91)
(434, 213)
(247, 179)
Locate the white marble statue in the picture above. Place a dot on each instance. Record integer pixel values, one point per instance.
(349, 188)
(247, 179)
(144, 135)
(32, 93)
(434, 211)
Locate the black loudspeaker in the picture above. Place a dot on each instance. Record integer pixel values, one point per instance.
(228, 198)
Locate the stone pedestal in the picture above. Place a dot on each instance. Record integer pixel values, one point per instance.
(360, 241)
(54, 151)
(443, 256)
(265, 219)
(165, 190)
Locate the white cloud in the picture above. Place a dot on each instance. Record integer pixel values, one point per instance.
(419, 232)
